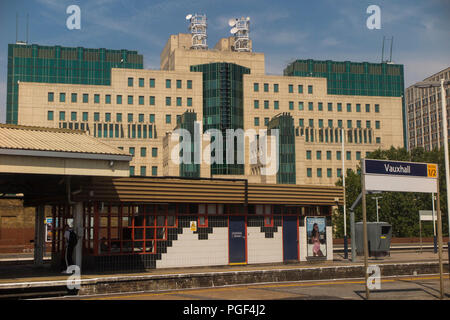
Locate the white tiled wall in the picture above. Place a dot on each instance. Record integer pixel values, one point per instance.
(303, 243)
(262, 249)
(189, 251)
(329, 243)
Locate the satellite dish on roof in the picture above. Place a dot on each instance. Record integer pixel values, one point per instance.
(232, 22)
(189, 16)
(234, 30)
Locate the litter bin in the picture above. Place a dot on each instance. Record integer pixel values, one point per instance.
(379, 236)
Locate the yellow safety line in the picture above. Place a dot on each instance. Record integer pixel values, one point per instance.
(263, 286)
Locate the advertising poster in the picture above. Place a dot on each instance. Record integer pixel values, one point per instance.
(316, 236)
(48, 229)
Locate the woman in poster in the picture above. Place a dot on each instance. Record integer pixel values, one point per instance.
(315, 240)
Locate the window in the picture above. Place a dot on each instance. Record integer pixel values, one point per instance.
(131, 151)
(189, 102)
(367, 107)
(310, 106)
(311, 123)
(85, 116)
(154, 152)
(378, 140)
(168, 101)
(168, 83)
(319, 155)
(358, 107)
(143, 152)
(275, 87)
(291, 88)
(73, 116)
(130, 99)
(143, 171)
(340, 123)
(152, 100)
(349, 107)
(330, 123)
(256, 87)
(168, 118)
(329, 173)
(301, 122)
(358, 155)
(320, 106)
(50, 115)
(377, 124)
(130, 82)
(96, 98)
(266, 121)
(349, 155)
(189, 84)
(154, 171)
(179, 101)
(368, 124)
(51, 97)
(178, 84)
(141, 82)
(310, 89)
(152, 118)
(319, 172)
(108, 99)
(339, 172)
(349, 124)
(256, 121)
(256, 104)
(300, 105)
(320, 123)
(339, 107)
(62, 97)
(96, 116)
(291, 105)
(74, 97)
(358, 123)
(377, 108)
(130, 117)
(119, 99)
(276, 105)
(131, 170)
(107, 117)
(141, 117)
(308, 154)
(118, 117)
(338, 155)
(300, 88)
(141, 100)
(266, 87)
(266, 104)
(152, 83)
(330, 106)
(309, 172)
(328, 155)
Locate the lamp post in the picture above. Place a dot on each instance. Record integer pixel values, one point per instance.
(376, 200)
(345, 208)
(436, 84)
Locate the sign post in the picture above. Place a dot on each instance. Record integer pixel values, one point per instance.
(397, 176)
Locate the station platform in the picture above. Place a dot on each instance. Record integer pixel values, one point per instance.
(26, 280)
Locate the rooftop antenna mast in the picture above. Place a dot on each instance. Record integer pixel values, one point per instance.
(17, 26)
(240, 30)
(390, 50)
(27, 27)
(197, 26)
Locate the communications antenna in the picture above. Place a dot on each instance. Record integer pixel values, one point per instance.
(389, 61)
(240, 30)
(197, 27)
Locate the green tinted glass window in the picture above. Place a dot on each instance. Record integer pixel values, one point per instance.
(152, 118)
(291, 105)
(358, 107)
(266, 87)
(300, 105)
(300, 88)
(276, 105)
(377, 125)
(367, 107)
(266, 104)
(141, 117)
(131, 170)
(319, 155)
(85, 98)
(377, 108)
(179, 101)
(168, 83)
(310, 89)
(256, 121)
(130, 99)
(130, 117)
(308, 154)
(339, 107)
(51, 97)
(96, 98)
(119, 99)
(256, 87)
(275, 87)
(141, 82)
(131, 151)
(96, 116)
(154, 171)
(50, 115)
(143, 171)
(154, 152)
(130, 82)
(189, 102)
(309, 172)
(178, 84)
(118, 117)
(349, 107)
(108, 99)
(310, 106)
(152, 83)
(301, 122)
(291, 88)
(330, 123)
(330, 106)
(320, 106)
(62, 97)
(189, 84)
(73, 116)
(74, 97)
(168, 101)
(152, 100)
(319, 172)
(143, 152)
(107, 117)
(256, 104)
(168, 118)
(328, 155)
(141, 100)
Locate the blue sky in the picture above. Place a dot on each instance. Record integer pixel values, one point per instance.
(283, 30)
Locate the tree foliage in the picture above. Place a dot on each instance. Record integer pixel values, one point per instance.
(400, 209)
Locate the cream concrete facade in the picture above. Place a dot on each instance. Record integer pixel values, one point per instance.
(385, 123)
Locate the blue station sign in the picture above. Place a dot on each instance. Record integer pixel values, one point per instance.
(396, 168)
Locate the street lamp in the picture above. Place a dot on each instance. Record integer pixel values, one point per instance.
(435, 84)
(376, 199)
